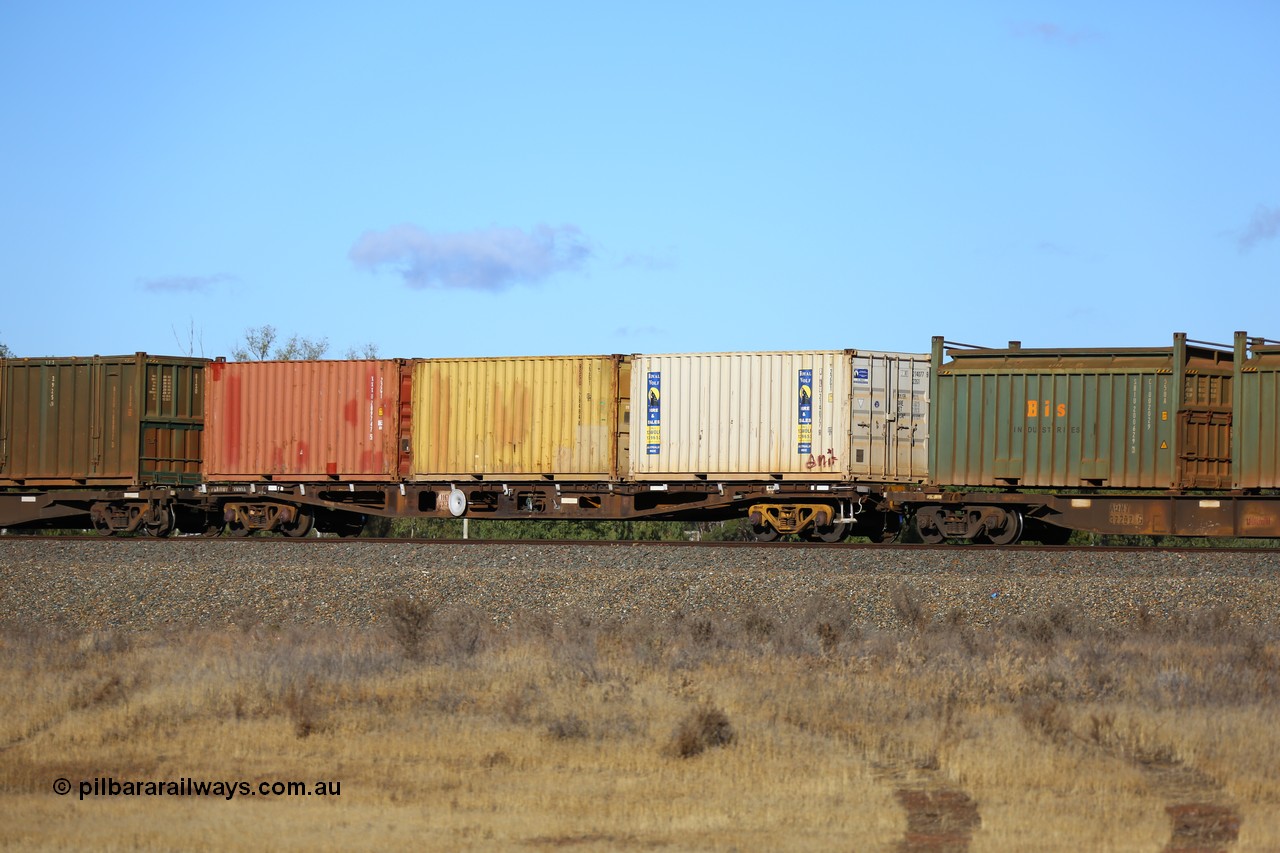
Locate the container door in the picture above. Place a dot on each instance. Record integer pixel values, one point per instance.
(889, 416)
(910, 452)
(872, 416)
(172, 423)
(1204, 449)
(404, 431)
(1204, 432)
(623, 424)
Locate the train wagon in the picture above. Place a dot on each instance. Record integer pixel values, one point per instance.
(815, 434)
(279, 433)
(73, 428)
(1035, 443)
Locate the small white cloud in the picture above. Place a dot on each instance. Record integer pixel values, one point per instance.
(493, 259)
(1052, 33)
(185, 283)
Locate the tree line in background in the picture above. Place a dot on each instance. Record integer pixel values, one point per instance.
(260, 344)
(263, 343)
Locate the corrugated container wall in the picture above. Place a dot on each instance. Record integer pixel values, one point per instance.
(303, 420)
(1257, 421)
(562, 416)
(820, 415)
(101, 420)
(1037, 418)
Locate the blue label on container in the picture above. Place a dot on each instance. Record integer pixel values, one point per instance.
(861, 376)
(805, 415)
(653, 418)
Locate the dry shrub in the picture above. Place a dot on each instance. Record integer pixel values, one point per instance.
(516, 703)
(568, 727)
(758, 625)
(409, 620)
(303, 707)
(463, 633)
(704, 728)
(906, 603)
(1046, 717)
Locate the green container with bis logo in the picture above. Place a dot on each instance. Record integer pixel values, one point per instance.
(1133, 418)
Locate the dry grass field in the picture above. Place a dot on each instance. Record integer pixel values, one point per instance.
(738, 731)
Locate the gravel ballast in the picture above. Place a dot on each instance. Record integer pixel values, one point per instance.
(148, 585)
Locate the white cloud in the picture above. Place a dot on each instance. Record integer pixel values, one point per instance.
(492, 259)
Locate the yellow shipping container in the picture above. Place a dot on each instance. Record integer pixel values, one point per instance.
(488, 418)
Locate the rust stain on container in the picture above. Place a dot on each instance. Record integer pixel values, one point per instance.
(527, 416)
(303, 420)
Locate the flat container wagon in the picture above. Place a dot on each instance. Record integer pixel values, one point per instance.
(823, 415)
(1134, 418)
(304, 421)
(129, 420)
(552, 417)
(1257, 413)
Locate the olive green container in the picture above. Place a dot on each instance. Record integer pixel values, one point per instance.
(1257, 413)
(101, 420)
(1136, 418)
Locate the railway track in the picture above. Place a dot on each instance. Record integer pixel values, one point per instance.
(764, 547)
(148, 584)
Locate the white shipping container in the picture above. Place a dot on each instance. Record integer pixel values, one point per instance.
(818, 415)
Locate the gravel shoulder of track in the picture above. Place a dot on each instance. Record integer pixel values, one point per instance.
(147, 585)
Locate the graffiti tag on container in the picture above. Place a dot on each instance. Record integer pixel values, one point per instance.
(827, 460)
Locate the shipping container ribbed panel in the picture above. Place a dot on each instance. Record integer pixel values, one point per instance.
(553, 416)
(1257, 420)
(101, 420)
(1135, 418)
(822, 415)
(303, 421)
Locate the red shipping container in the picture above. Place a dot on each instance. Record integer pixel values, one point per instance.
(297, 421)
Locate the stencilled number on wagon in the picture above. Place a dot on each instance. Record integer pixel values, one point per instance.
(1045, 409)
(1122, 515)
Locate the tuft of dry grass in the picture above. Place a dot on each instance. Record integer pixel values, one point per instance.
(704, 728)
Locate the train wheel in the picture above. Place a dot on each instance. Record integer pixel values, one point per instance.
(350, 529)
(236, 529)
(830, 533)
(929, 526)
(1010, 533)
(765, 532)
(301, 525)
(158, 521)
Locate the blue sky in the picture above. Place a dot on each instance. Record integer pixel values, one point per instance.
(518, 178)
